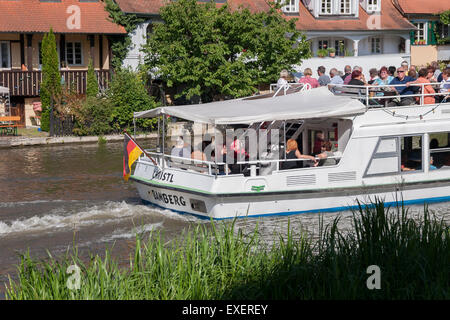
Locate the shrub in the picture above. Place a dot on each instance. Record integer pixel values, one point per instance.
(92, 82)
(93, 117)
(128, 94)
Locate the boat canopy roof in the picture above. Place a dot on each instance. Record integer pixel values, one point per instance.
(308, 104)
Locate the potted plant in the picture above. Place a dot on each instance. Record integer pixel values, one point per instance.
(332, 52)
(322, 53)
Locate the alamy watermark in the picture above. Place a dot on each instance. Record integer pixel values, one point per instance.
(374, 281)
(74, 281)
(73, 22)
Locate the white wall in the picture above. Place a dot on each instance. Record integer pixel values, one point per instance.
(443, 52)
(138, 39)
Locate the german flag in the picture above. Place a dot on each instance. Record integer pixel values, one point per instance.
(131, 152)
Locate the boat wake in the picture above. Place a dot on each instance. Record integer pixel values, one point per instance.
(63, 218)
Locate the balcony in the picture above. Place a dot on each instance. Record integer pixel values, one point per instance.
(27, 83)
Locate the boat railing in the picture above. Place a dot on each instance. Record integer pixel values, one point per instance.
(376, 96)
(213, 168)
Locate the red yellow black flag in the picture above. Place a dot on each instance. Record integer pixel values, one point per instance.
(131, 152)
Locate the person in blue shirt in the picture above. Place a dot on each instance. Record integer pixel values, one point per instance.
(402, 78)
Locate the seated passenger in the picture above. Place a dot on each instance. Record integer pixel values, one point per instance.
(324, 157)
(292, 152)
(427, 89)
(432, 167)
(198, 154)
(307, 78)
(404, 90)
(317, 148)
(282, 81)
(182, 150)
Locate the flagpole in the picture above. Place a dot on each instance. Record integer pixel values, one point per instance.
(142, 149)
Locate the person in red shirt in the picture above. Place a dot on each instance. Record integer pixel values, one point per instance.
(309, 79)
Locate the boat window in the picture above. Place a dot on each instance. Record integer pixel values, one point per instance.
(439, 150)
(396, 154)
(411, 153)
(385, 159)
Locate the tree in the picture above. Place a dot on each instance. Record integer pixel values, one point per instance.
(128, 94)
(215, 52)
(51, 78)
(91, 82)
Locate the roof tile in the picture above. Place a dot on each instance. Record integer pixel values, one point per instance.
(39, 16)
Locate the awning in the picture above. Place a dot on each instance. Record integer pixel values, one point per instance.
(310, 104)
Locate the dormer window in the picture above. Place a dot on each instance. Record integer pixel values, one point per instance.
(345, 6)
(373, 5)
(290, 6)
(325, 6)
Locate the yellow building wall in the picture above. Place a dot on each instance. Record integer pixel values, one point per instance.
(423, 55)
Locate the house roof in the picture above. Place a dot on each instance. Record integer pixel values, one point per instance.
(38, 16)
(141, 6)
(423, 6)
(390, 19)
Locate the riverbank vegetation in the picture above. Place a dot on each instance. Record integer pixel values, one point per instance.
(218, 261)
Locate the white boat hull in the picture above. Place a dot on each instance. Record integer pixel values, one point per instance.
(285, 203)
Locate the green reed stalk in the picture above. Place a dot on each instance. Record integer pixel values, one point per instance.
(219, 261)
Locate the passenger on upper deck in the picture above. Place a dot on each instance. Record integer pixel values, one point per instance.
(323, 78)
(428, 89)
(348, 71)
(402, 90)
(382, 80)
(445, 83)
(307, 78)
(349, 77)
(282, 81)
(356, 79)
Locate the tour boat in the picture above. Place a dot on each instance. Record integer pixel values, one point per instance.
(393, 153)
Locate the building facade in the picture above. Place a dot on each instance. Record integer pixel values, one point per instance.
(431, 40)
(82, 30)
(359, 29)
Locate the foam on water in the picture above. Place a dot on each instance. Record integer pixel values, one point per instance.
(63, 218)
(129, 234)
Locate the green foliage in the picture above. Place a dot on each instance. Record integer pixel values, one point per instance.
(92, 82)
(444, 19)
(211, 262)
(121, 44)
(213, 53)
(51, 78)
(94, 117)
(128, 94)
(322, 52)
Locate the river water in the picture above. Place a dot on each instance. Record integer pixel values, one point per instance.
(55, 197)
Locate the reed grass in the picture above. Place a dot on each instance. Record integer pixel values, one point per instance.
(221, 262)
